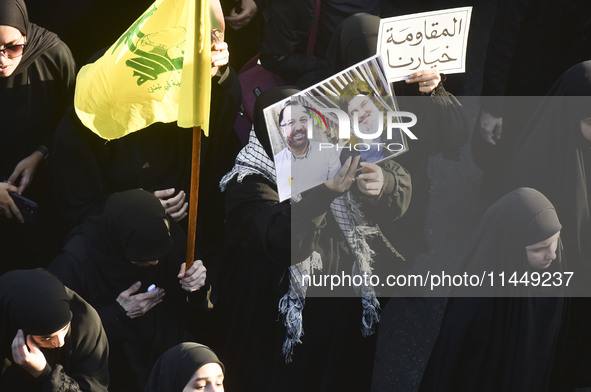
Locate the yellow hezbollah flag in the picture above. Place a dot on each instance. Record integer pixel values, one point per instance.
(158, 71)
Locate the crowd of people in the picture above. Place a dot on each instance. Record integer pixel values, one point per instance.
(96, 293)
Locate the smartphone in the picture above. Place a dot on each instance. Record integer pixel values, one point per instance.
(27, 207)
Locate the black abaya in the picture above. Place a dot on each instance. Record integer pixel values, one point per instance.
(554, 157)
(510, 340)
(288, 25)
(96, 263)
(155, 158)
(32, 101)
(517, 44)
(264, 238)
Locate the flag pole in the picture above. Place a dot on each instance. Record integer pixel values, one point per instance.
(193, 196)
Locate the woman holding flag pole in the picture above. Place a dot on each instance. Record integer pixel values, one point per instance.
(162, 69)
(162, 63)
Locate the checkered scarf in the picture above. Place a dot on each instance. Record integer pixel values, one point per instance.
(252, 159)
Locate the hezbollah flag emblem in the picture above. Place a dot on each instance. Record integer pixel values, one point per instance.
(158, 71)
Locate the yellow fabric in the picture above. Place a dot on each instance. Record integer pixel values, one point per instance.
(158, 71)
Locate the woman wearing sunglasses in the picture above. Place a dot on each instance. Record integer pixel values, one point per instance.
(37, 75)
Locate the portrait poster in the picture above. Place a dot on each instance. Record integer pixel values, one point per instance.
(351, 113)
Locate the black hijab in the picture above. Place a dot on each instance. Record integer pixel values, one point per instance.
(355, 40)
(34, 301)
(14, 13)
(131, 228)
(553, 157)
(174, 368)
(520, 218)
(501, 342)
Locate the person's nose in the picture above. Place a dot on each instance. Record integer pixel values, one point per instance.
(551, 254)
(58, 341)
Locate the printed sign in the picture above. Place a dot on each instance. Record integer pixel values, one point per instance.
(436, 39)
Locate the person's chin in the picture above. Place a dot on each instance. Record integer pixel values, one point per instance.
(5, 72)
(546, 265)
(299, 141)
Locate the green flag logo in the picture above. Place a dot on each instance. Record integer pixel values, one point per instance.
(157, 53)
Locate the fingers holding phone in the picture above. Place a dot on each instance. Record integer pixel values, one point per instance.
(8, 207)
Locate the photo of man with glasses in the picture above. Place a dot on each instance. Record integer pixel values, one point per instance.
(302, 164)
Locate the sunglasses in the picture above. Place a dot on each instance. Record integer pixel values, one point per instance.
(13, 51)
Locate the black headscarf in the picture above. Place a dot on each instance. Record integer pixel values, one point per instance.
(131, 228)
(174, 368)
(97, 263)
(503, 343)
(553, 157)
(14, 13)
(355, 40)
(520, 218)
(34, 301)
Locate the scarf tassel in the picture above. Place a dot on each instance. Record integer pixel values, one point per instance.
(290, 310)
(371, 315)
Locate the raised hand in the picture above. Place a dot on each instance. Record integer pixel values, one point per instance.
(175, 206)
(241, 17)
(345, 177)
(371, 179)
(428, 80)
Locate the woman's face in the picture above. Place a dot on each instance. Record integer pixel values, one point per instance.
(586, 128)
(151, 263)
(541, 254)
(55, 340)
(208, 378)
(9, 36)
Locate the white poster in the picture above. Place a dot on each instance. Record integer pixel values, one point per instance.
(351, 113)
(436, 39)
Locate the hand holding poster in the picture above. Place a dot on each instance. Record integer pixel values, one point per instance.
(429, 40)
(352, 113)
